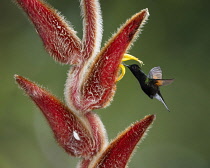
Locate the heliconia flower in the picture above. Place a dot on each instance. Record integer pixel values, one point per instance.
(91, 82)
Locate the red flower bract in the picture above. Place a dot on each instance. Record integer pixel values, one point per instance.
(79, 136)
(90, 85)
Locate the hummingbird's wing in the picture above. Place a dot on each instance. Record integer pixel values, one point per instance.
(155, 73)
(160, 98)
(163, 82)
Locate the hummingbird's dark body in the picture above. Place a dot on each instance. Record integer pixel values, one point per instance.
(150, 84)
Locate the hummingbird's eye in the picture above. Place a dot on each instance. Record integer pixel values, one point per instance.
(135, 67)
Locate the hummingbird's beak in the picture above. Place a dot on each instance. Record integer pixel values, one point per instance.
(126, 65)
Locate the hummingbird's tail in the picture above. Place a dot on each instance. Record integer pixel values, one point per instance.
(159, 97)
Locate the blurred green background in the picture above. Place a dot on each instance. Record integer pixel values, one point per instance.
(176, 38)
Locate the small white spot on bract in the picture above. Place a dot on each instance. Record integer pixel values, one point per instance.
(76, 136)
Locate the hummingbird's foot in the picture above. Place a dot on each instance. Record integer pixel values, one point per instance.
(127, 57)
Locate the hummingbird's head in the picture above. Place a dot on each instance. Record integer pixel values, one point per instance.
(134, 67)
(136, 70)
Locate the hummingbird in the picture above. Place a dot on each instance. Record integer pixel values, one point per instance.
(151, 83)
